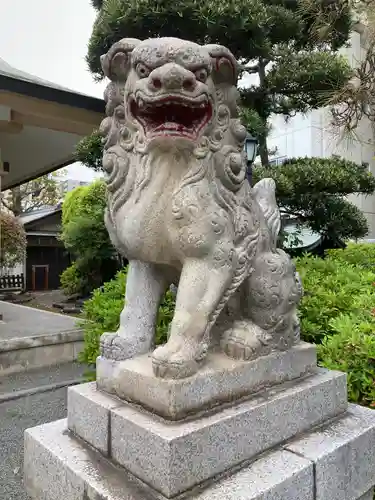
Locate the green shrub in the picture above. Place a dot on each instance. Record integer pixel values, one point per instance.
(86, 238)
(338, 312)
(102, 314)
(71, 280)
(358, 254)
(352, 350)
(333, 287)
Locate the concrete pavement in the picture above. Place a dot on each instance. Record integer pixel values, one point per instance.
(22, 321)
(31, 338)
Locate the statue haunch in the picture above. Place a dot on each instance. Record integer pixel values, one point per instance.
(181, 211)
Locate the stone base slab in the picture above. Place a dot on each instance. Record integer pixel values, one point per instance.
(344, 450)
(58, 466)
(221, 380)
(333, 462)
(175, 456)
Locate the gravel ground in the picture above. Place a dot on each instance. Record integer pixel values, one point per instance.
(40, 377)
(16, 417)
(20, 414)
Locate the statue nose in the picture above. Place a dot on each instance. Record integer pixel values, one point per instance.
(172, 77)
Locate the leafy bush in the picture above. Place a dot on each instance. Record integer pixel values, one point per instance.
(338, 312)
(71, 280)
(352, 350)
(102, 314)
(333, 287)
(86, 238)
(357, 254)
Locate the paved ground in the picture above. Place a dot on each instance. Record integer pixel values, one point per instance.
(23, 321)
(20, 414)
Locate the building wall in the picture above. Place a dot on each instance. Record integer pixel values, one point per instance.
(313, 135)
(70, 184)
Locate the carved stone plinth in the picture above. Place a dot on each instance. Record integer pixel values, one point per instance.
(222, 380)
(174, 457)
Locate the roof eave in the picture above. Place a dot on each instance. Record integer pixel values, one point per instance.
(51, 94)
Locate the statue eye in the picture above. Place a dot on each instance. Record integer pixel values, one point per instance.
(142, 70)
(201, 75)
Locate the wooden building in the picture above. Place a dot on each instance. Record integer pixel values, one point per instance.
(46, 257)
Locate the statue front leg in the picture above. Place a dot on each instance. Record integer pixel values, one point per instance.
(145, 287)
(201, 286)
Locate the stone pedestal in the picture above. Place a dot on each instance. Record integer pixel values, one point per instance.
(277, 428)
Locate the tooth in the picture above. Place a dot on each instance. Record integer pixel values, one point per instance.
(141, 103)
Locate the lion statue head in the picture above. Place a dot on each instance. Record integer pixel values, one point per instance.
(166, 94)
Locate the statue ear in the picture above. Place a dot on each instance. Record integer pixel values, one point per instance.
(116, 62)
(224, 64)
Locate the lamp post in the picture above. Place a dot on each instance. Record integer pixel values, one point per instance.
(251, 149)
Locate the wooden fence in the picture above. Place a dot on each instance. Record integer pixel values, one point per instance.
(12, 282)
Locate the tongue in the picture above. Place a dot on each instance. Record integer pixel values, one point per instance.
(171, 126)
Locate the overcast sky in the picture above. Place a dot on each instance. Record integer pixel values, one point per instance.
(48, 38)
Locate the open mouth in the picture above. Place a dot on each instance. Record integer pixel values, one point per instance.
(172, 116)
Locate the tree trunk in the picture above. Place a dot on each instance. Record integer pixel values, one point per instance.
(262, 138)
(263, 150)
(16, 201)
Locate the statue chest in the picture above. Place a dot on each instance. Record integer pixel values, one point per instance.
(165, 225)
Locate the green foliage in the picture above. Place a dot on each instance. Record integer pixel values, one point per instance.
(333, 287)
(338, 313)
(359, 254)
(86, 238)
(71, 280)
(281, 42)
(12, 240)
(89, 151)
(97, 4)
(352, 350)
(84, 200)
(315, 190)
(102, 314)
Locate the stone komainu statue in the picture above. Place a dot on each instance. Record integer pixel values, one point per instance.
(181, 210)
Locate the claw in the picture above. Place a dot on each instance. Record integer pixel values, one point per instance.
(245, 341)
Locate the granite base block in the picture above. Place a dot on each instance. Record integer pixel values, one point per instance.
(343, 454)
(183, 454)
(368, 496)
(89, 415)
(58, 466)
(221, 380)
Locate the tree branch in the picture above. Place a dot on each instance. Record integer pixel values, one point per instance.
(6, 205)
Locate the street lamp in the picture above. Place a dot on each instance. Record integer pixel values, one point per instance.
(251, 149)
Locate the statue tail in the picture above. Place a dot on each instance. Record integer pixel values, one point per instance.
(264, 193)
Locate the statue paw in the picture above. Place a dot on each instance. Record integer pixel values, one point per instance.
(171, 361)
(118, 347)
(245, 341)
